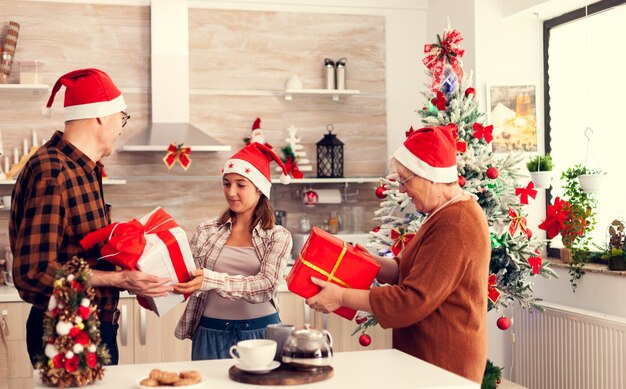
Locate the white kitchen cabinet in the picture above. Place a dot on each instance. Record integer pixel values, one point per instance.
(143, 337)
(20, 371)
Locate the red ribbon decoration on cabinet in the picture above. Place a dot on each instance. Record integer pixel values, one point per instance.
(445, 50)
(178, 153)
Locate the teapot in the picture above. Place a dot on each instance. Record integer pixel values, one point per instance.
(308, 348)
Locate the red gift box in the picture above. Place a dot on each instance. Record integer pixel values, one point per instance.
(327, 257)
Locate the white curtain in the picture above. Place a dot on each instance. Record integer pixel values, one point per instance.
(587, 77)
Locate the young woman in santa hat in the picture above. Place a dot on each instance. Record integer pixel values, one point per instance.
(241, 258)
(437, 299)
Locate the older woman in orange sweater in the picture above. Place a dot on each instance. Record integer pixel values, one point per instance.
(436, 302)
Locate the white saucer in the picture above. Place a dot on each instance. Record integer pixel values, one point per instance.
(258, 370)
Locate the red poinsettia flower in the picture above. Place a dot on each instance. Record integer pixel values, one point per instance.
(71, 364)
(82, 338)
(58, 360)
(562, 218)
(91, 359)
(83, 312)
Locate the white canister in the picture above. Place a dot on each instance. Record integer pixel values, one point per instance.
(329, 66)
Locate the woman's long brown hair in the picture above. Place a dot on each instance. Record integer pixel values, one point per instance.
(263, 213)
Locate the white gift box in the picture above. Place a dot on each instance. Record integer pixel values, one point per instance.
(156, 259)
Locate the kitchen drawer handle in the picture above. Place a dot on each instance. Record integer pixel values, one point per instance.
(142, 329)
(124, 324)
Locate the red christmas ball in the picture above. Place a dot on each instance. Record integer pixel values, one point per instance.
(493, 173)
(461, 181)
(380, 192)
(503, 323)
(470, 91)
(376, 229)
(498, 381)
(360, 319)
(365, 340)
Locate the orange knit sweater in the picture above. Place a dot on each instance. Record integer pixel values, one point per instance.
(438, 309)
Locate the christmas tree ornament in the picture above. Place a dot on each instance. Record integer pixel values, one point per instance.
(409, 132)
(310, 198)
(524, 193)
(376, 229)
(445, 51)
(401, 238)
(432, 108)
(360, 319)
(493, 173)
(439, 101)
(492, 291)
(380, 191)
(470, 92)
(256, 134)
(517, 222)
(365, 340)
(483, 132)
(461, 181)
(498, 381)
(503, 323)
(295, 150)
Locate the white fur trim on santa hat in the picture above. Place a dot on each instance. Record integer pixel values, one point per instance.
(247, 170)
(95, 110)
(424, 170)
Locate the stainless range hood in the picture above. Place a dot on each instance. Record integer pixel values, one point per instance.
(169, 33)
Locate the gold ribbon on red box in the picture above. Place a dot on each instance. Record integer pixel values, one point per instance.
(329, 276)
(177, 153)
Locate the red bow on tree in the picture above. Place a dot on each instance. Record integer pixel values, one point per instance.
(178, 153)
(401, 239)
(439, 101)
(535, 262)
(445, 50)
(492, 292)
(409, 132)
(486, 132)
(518, 221)
(523, 193)
(461, 146)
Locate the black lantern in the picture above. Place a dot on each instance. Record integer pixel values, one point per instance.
(329, 156)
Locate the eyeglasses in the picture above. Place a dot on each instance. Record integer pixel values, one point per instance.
(402, 183)
(125, 118)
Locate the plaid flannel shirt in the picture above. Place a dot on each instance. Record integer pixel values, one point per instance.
(57, 200)
(273, 247)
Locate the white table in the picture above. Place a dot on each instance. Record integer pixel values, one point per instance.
(358, 369)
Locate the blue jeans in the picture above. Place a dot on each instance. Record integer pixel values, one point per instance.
(214, 337)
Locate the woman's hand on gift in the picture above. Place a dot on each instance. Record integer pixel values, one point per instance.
(144, 284)
(190, 286)
(332, 296)
(329, 297)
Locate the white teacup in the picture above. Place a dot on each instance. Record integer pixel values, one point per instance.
(254, 353)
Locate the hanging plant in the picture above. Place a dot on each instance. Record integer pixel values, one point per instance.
(540, 169)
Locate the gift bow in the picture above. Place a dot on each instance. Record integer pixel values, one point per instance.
(127, 241)
(486, 132)
(460, 145)
(524, 193)
(446, 49)
(401, 239)
(178, 153)
(492, 292)
(518, 221)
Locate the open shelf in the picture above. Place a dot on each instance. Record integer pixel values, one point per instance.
(28, 88)
(106, 181)
(334, 93)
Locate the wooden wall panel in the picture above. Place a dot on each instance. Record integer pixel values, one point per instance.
(232, 50)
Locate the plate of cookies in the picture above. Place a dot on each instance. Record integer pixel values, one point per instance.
(167, 379)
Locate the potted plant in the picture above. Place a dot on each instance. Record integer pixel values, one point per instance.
(590, 180)
(540, 169)
(572, 217)
(614, 253)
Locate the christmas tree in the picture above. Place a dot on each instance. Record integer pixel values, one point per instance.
(495, 182)
(73, 355)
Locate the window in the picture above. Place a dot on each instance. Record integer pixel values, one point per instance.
(586, 87)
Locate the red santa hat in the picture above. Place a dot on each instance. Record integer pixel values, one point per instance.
(430, 153)
(89, 93)
(256, 125)
(253, 162)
